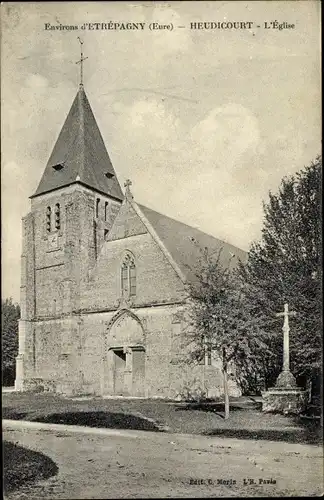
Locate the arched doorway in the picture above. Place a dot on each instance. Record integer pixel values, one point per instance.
(124, 370)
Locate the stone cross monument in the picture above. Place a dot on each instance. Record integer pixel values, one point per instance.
(285, 397)
(286, 378)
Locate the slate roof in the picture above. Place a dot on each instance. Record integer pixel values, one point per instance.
(184, 243)
(80, 154)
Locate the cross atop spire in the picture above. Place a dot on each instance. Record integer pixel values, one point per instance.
(81, 62)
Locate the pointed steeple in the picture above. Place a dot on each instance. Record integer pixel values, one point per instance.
(80, 155)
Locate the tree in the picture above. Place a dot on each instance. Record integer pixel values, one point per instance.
(221, 320)
(285, 267)
(10, 316)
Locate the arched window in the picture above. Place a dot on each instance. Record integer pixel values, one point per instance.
(106, 210)
(48, 219)
(128, 276)
(57, 216)
(124, 280)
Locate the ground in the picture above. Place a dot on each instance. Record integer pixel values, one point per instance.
(138, 464)
(159, 461)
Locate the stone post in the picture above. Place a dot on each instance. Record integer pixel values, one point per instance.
(286, 342)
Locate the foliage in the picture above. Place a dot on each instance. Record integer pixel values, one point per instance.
(10, 314)
(221, 319)
(192, 392)
(285, 267)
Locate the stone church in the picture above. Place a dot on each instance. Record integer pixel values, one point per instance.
(103, 281)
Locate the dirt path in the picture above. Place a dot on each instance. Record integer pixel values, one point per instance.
(100, 463)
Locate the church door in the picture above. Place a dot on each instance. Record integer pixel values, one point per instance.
(138, 382)
(119, 371)
(124, 370)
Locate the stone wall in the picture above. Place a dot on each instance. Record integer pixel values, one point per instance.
(156, 280)
(73, 354)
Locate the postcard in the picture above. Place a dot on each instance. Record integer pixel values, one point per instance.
(161, 272)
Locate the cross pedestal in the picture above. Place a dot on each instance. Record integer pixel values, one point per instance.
(285, 397)
(286, 380)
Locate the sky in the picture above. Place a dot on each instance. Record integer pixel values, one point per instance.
(205, 122)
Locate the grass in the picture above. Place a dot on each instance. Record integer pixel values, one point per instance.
(22, 465)
(245, 422)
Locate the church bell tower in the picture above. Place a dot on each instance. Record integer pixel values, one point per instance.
(72, 211)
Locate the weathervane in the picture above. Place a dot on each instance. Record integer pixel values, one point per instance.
(81, 62)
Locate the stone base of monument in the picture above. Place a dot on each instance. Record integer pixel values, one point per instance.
(285, 397)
